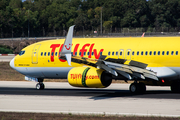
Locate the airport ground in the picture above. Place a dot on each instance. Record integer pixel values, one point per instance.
(60, 99)
(50, 116)
(20, 100)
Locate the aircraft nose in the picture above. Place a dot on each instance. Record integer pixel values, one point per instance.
(12, 63)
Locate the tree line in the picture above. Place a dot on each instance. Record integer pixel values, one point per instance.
(39, 17)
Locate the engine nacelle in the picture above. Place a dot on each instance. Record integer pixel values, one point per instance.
(89, 77)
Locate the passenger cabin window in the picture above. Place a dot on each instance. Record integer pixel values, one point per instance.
(88, 53)
(112, 53)
(44, 53)
(100, 53)
(167, 53)
(84, 53)
(138, 53)
(109, 53)
(154, 52)
(176, 52)
(92, 53)
(79, 53)
(48, 53)
(41, 53)
(56, 54)
(52, 53)
(172, 52)
(159, 52)
(133, 53)
(162, 52)
(120, 53)
(128, 53)
(146, 53)
(150, 53)
(75, 53)
(142, 53)
(116, 53)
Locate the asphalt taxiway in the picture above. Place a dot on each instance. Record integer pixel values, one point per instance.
(59, 97)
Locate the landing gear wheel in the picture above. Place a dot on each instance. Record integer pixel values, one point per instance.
(175, 87)
(133, 88)
(40, 86)
(137, 88)
(142, 87)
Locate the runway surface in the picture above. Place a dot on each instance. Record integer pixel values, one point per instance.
(62, 98)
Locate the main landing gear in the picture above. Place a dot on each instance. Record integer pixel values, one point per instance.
(175, 87)
(40, 85)
(137, 88)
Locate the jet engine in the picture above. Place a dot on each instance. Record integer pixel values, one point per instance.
(89, 77)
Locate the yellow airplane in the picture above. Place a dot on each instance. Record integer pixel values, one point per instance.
(94, 62)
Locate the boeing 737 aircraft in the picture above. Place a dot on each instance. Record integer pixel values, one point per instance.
(94, 62)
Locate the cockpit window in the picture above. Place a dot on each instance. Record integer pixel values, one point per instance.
(22, 52)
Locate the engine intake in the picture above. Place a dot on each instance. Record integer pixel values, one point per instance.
(89, 77)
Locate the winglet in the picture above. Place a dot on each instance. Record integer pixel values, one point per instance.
(66, 50)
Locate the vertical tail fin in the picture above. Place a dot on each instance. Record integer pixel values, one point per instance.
(66, 50)
(143, 34)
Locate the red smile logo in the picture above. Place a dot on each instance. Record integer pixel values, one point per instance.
(68, 48)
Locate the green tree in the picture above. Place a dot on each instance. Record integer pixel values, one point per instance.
(107, 24)
(15, 4)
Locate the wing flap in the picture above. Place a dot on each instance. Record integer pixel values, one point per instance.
(137, 64)
(147, 75)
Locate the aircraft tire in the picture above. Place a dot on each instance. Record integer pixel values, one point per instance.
(142, 87)
(40, 86)
(175, 87)
(134, 88)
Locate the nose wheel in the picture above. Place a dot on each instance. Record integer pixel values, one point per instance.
(40, 86)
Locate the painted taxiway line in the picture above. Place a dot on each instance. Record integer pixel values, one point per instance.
(90, 113)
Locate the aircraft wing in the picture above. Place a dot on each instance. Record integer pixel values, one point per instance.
(113, 66)
(117, 67)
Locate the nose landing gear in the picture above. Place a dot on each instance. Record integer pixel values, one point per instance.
(40, 85)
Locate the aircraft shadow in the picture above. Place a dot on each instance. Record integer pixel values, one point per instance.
(96, 94)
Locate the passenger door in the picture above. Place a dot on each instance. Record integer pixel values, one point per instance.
(35, 54)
